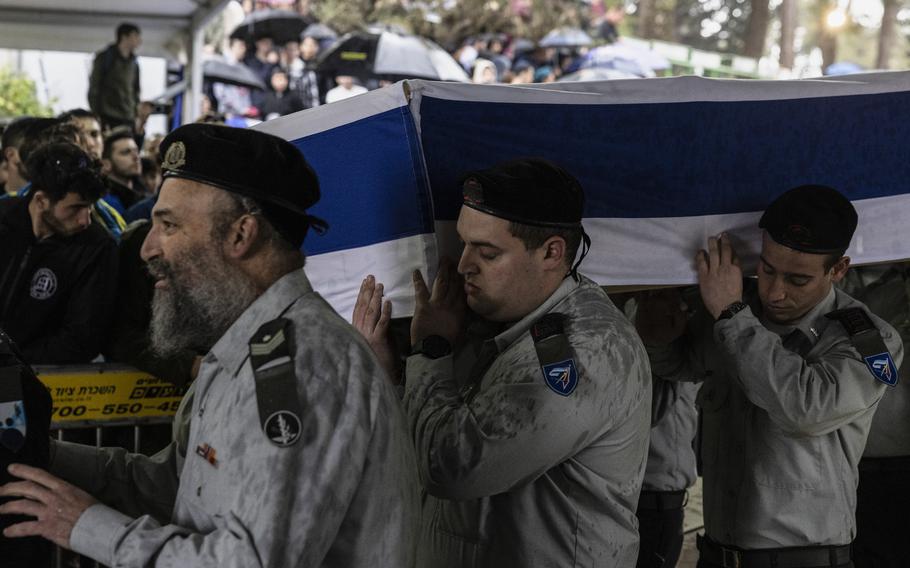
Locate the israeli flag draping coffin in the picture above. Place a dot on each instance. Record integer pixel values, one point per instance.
(664, 162)
(375, 197)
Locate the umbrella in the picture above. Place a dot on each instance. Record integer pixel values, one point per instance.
(319, 32)
(645, 58)
(391, 56)
(843, 68)
(231, 74)
(596, 74)
(522, 45)
(280, 25)
(566, 37)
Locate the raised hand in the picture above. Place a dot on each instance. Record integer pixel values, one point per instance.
(371, 318)
(720, 279)
(442, 311)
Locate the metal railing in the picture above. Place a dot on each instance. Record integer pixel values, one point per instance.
(104, 398)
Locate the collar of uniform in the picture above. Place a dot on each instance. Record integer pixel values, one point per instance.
(507, 337)
(270, 305)
(811, 324)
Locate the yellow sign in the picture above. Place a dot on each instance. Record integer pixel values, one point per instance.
(93, 394)
(353, 56)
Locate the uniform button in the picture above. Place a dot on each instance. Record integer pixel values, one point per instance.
(199, 491)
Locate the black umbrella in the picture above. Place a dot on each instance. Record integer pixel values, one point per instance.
(391, 56)
(231, 74)
(522, 45)
(280, 25)
(566, 37)
(319, 32)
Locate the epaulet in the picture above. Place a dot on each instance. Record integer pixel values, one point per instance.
(272, 360)
(555, 354)
(868, 341)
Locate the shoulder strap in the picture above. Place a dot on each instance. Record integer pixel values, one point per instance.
(272, 360)
(867, 339)
(555, 354)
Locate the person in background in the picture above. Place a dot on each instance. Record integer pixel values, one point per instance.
(90, 125)
(122, 169)
(280, 101)
(307, 86)
(883, 495)
(151, 178)
(60, 268)
(261, 64)
(671, 468)
(522, 72)
(12, 139)
(484, 72)
(346, 89)
(113, 92)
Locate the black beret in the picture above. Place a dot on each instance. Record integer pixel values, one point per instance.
(811, 218)
(254, 164)
(531, 191)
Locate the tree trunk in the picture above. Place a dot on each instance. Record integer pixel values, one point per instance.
(757, 29)
(787, 33)
(646, 19)
(887, 34)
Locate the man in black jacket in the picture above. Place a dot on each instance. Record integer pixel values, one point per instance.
(57, 271)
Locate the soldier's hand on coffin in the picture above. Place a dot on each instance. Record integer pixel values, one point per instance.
(441, 312)
(371, 318)
(55, 504)
(661, 316)
(720, 279)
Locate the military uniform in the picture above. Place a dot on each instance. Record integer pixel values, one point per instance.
(343, 494)
(669, 473)
(883, 495)
(524, 471)
(785, 415)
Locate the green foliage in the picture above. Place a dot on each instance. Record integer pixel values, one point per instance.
(450, 23)
(18, 96)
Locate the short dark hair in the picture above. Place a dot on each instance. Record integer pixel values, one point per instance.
(149, 165)
(126, 29)
(45, 131)
(14, 133)
(59, 168)
(78, 113)
(533, 237)
(113, 136)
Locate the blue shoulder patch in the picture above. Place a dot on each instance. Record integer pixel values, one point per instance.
(883, 368)
(562, 377)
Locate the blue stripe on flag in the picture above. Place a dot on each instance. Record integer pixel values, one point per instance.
(372, 182)
(678, 159)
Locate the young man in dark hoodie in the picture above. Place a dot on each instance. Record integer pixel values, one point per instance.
(113, 92)
(58, 271)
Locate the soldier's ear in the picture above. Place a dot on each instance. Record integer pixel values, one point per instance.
(243, 236)
(554, 250)
(839, 270)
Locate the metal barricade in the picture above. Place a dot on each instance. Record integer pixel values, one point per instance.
(99, 397)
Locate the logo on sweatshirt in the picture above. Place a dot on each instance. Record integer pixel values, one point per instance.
(44, 284)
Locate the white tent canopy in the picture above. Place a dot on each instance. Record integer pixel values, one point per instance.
(170, 28)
